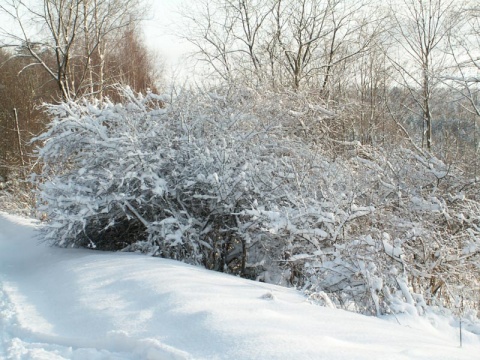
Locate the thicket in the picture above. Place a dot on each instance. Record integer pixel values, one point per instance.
(229, 180)
(345, 164)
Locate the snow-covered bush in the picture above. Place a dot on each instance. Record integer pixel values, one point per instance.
(251, 184)
(421, 245)
(199, 178)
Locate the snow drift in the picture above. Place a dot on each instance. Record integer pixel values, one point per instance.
(79, 304)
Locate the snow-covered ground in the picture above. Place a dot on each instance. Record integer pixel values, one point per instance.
(79, 304)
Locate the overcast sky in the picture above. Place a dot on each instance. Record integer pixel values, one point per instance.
(160, 34)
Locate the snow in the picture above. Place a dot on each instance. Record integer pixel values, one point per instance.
(83, 304)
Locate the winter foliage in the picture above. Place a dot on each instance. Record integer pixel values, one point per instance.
(255, 183)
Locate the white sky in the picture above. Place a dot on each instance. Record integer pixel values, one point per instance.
(160, 36)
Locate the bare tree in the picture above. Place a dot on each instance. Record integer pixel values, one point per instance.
(208, 27)
(140, 69)
(106, 23)
(370, 84)
(307, 25)
(58, 18)
(279, 42)
(464, 78)
(69, 38)
(421, 26)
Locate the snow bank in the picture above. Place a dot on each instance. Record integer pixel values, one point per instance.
(80, 304)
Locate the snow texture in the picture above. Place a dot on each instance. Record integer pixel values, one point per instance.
(58, 303)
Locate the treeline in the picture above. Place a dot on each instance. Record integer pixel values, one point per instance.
(68, 50)
(407, 67)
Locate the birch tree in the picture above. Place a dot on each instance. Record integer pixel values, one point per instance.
(68, 38)
(420, 28)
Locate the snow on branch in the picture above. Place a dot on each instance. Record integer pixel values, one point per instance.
(231, 184)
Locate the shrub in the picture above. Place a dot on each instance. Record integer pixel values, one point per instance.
(234, 184)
